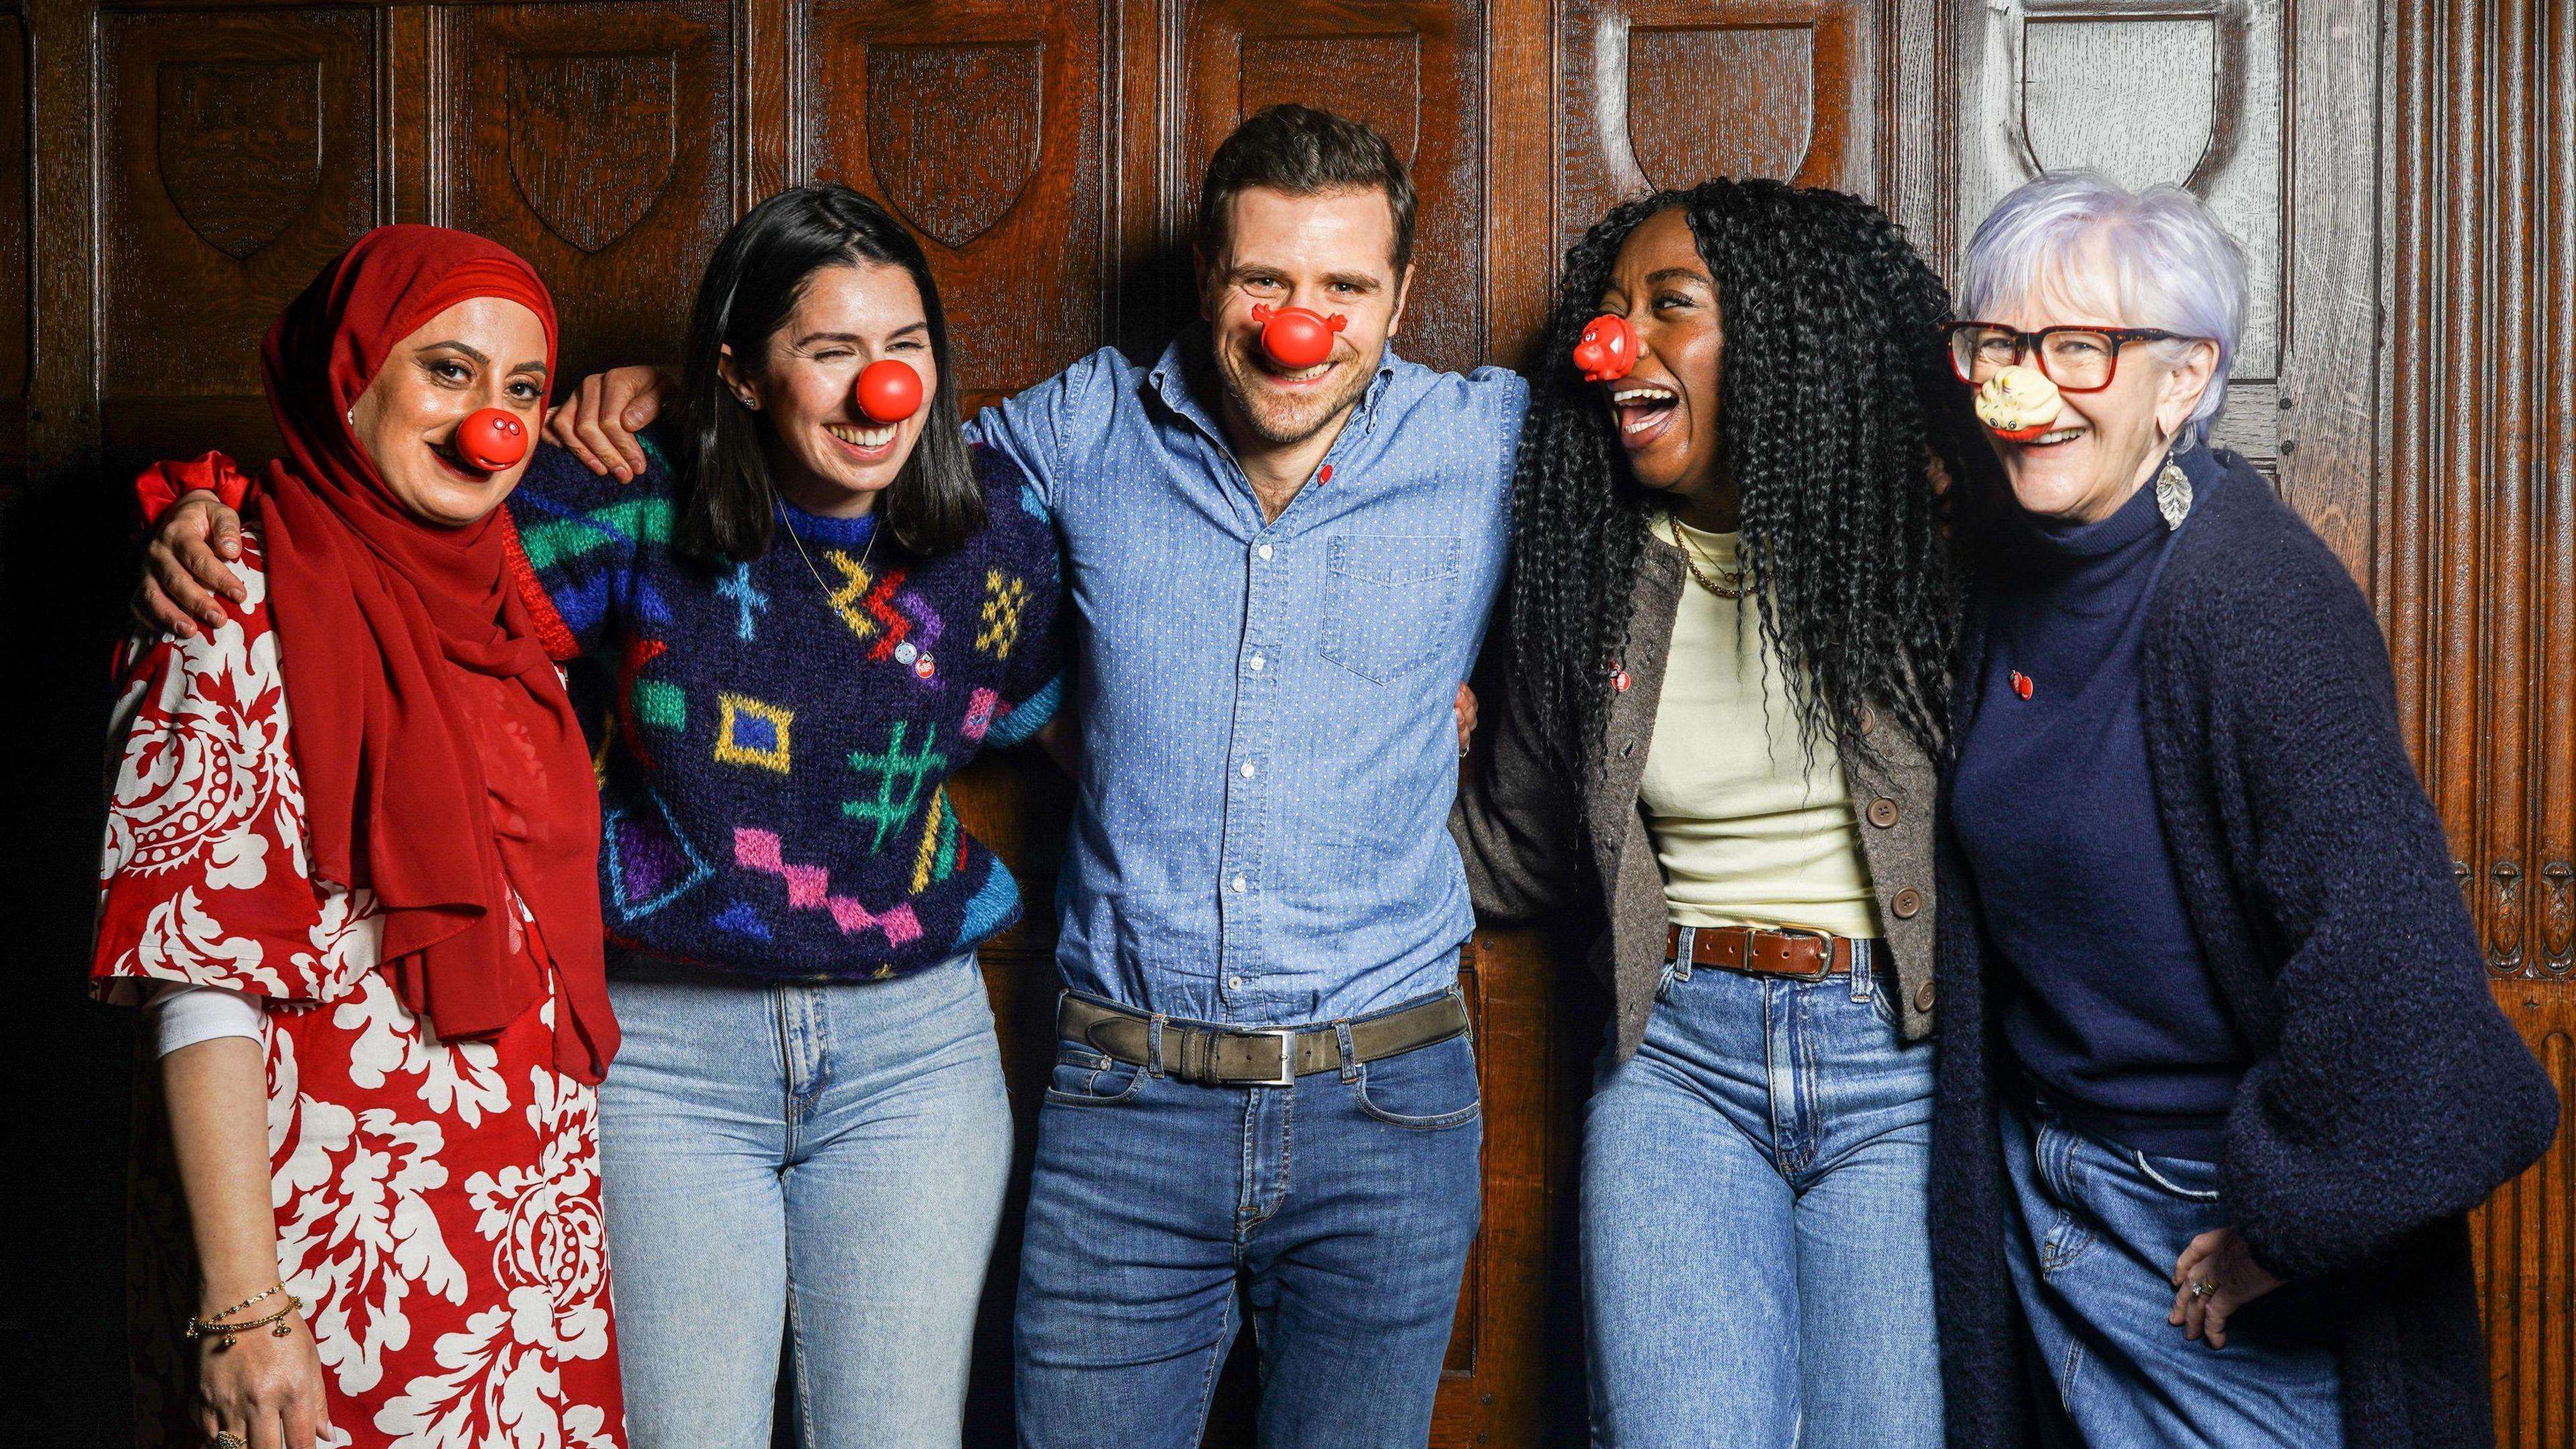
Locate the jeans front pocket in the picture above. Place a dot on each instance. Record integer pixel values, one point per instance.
(2178, 1177)
(1086, 1078)
(1426, 1088)
(1386, 606)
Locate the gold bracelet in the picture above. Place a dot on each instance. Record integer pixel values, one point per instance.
(278, 1287)
(199, 1328)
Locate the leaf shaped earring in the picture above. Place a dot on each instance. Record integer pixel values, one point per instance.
(2173, 496)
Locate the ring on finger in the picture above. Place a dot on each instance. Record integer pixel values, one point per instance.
(225, 1439)
(2203, 1287)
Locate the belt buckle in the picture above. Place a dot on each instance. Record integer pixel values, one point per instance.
(1287, 1036)
(1824, 962)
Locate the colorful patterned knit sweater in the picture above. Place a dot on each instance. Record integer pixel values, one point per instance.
(772, 790)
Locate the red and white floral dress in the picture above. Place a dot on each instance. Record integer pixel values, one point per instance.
(437, 1202)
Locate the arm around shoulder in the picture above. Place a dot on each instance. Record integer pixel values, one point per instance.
(204, 879)
(1515, 823)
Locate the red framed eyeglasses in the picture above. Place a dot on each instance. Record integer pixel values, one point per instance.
(2077, 359)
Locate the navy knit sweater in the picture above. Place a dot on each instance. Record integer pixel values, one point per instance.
(2118, 1021)
(2386, 1093)
(772, 792)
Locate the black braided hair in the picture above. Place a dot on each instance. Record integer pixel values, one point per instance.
(1835, 397)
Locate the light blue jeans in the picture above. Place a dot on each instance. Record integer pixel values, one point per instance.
(819, 1163)
(2095, 1232)
(1757, 1263)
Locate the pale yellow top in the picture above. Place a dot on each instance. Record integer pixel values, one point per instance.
(1749, 831)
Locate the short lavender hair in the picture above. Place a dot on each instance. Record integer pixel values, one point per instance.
(2171, 268)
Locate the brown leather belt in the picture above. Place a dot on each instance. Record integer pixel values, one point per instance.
(1220, 1056)
(1806, 955)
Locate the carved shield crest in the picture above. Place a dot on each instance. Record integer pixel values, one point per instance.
(240, 145)
(592, 140)
(953, 132)
(2134, 97)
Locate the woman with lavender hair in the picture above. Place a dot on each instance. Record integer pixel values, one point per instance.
(2221, 1073)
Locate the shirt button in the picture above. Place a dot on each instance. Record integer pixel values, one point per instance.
(1234, 983)
(1882, 812)
(1247, 769)
(1238, 885)
(1908, 903)
(1923, 997)
(1265, 550)
(1256, 663)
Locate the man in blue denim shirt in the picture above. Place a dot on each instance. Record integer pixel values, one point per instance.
(1281, 576)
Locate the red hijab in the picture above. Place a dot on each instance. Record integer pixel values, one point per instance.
(373, 607)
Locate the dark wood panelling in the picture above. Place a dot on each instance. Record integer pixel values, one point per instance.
(16, 339)
(2479, 574)
(1415, 70)
(980, 124)
(240, 154)
(596, 140)
(1668, 93)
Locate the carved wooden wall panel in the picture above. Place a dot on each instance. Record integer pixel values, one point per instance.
(1661, 94)
(239, 153)
(597, 141)
(979, 123)
(1415, 70)
(2479, 575)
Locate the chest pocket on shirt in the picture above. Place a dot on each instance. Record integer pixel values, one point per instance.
(1386, 601)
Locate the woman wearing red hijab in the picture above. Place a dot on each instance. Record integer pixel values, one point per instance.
(350, 874)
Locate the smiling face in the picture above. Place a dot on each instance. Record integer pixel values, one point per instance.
(1332, 253)
(827, 456)
(1666, 408)
(484, 352)
(2102, 445)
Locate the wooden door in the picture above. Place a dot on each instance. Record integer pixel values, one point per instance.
(172, 171)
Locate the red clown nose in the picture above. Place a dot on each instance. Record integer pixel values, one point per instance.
(1608, 349)
(889, 391)
(491, 439)
(1295, 337)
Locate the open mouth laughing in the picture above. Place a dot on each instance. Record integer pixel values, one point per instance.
(1644, 410)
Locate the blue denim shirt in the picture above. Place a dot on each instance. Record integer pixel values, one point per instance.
(1268, 749)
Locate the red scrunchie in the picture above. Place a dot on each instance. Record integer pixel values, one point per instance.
(162, 484)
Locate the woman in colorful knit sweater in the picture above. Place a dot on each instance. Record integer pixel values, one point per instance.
(813, 619)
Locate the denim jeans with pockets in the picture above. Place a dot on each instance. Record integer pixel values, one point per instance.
(815, 1163)
(2095, 1233)
(1339, 1210)
(1757, 1264)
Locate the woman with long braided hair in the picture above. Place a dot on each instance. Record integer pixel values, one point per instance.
(1732, 611)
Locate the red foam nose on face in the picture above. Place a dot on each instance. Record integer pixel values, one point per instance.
(1295, 337)
(889, 391)
(492, 440)
(1607, 350)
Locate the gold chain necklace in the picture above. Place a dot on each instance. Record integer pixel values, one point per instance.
(874, 528)
(1733, 588)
